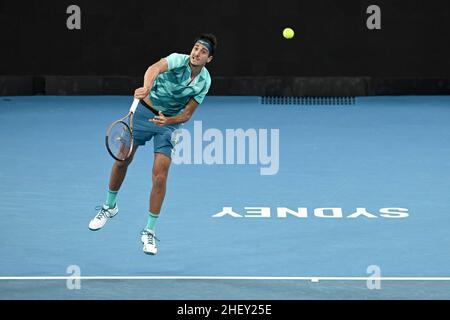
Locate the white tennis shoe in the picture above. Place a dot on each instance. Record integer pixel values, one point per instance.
(102, 216)
(149, 239)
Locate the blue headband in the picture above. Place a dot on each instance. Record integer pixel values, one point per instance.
(207, 44)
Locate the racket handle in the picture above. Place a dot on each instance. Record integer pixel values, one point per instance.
(134, 105)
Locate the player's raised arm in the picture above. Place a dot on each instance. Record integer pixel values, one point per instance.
(150, 75)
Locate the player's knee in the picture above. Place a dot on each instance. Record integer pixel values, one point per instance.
(123, 164)
(159, 180)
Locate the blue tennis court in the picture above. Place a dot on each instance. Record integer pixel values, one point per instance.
(348, 189)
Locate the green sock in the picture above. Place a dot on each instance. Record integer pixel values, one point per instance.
(111, 199)
(151, 221)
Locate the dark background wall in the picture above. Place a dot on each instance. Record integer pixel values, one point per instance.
(332, 47)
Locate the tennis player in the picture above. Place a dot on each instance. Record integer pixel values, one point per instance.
(173, 88)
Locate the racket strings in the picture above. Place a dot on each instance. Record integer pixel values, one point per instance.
(120, 140)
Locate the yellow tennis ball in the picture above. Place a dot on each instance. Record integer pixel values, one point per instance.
(288, 33)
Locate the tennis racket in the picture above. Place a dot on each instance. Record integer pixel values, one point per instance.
(119, 135)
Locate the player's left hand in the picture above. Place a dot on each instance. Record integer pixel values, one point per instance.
(159, 120)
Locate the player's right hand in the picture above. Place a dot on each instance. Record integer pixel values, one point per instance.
(141, 93)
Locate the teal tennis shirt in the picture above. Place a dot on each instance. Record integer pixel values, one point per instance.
(172, 91)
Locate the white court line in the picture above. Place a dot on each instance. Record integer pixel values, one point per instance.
(313, 279)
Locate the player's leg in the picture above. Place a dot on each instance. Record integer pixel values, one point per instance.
(119, 171)
(160, 172)
(163, 146)
(110, 208)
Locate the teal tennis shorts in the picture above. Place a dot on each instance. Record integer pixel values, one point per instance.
(144, 130)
